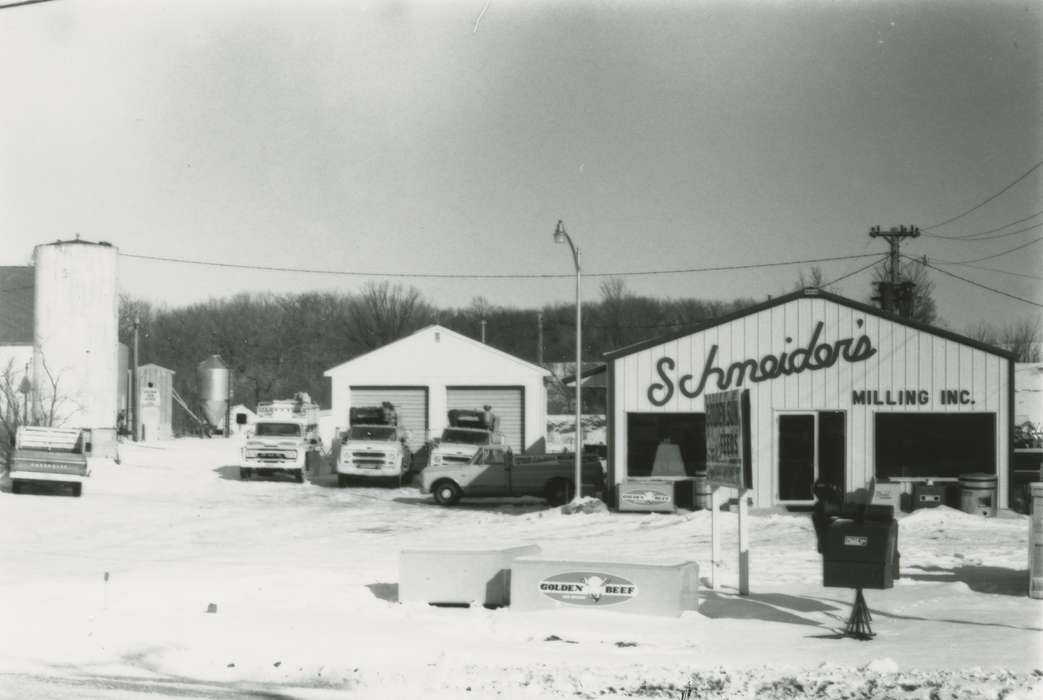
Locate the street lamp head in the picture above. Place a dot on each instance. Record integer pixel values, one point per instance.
(559, 232)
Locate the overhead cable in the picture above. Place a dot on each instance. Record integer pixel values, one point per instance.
(449, 275)
(983, 235)
(990, 257)
(925, 263)
(983, 203)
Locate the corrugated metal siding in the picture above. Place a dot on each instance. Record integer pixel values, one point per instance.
(507, 403)
(410, 405)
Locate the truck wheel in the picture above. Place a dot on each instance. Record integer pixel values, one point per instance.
(245, 473)
(298, 476)
(559, 491)
(342, 480)
(16, 487)
(77, 490)
(446, 493)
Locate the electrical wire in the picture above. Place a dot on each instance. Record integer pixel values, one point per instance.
(926, 263)
(990, 257)
(9, 5)
(449, 275)
(1031, 170)
(983, 235)
(996, 269)
(855, 272)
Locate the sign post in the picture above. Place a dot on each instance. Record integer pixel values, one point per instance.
(728, 465)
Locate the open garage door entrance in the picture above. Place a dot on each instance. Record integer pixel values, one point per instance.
(410, 404)
(508, 403)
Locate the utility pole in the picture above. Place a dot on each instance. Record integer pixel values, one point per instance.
(483, 331)
(889, 291)
(134, 387)
(539, 338)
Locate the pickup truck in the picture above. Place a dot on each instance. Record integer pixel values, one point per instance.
(54, 455)
(494, 470)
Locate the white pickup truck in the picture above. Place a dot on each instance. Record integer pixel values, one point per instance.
(372, 449)
(53, 455)
(285, 439)
(467, 431)
(494, 470)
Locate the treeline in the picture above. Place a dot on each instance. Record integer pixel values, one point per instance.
(279, 344)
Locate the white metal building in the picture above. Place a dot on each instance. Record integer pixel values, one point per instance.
(434, 370)
(839, 391)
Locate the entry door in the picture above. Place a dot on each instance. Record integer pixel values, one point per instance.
(796, 456)
(811, 447)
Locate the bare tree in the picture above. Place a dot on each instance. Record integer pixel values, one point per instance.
(382, 313)
(983, 332)
(815, 278)
(1023, 339)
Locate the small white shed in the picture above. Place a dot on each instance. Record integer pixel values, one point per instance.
(434, 370)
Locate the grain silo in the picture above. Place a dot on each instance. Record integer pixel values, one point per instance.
(213, 390)
(75, 339)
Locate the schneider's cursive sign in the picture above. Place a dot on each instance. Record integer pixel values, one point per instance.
(815, 356)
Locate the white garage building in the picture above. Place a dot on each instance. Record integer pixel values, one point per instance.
(434, 370)
(838, 390)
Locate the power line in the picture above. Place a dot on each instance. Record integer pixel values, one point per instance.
(979, 236)
(855, 272)
(450, 275)
(990, 257)
(22, 2)
(982, 204)
(996, 269)
(925, 263)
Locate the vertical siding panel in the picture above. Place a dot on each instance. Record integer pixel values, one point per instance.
(952, 371)
(911, 362)
(925, 371)
(886, 362)
(966, 377)
(938, 358)
(817, 397)
(979, 384)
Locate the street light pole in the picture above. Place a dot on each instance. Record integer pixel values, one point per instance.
(562, 236)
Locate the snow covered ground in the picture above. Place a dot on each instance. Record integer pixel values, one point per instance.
(106, 596)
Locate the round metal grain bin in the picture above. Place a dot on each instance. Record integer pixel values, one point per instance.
(213, 389)
(978, 494)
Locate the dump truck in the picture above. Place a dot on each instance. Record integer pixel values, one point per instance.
(285, 439)
(468, 430)
(51, 455)
(373, 448)
(494, 470)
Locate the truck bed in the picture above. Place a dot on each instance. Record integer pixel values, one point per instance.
(26, 462)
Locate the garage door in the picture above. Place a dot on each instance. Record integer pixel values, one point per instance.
(507, 401)
(410, 405)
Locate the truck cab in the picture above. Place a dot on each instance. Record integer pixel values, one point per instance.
(467, 432)
(285, 439)
(373, 448)
(494, 470)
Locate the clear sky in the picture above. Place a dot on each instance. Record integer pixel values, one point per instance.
(449, 137)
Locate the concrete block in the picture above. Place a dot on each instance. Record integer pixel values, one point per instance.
(458, 575)
(640, 588)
